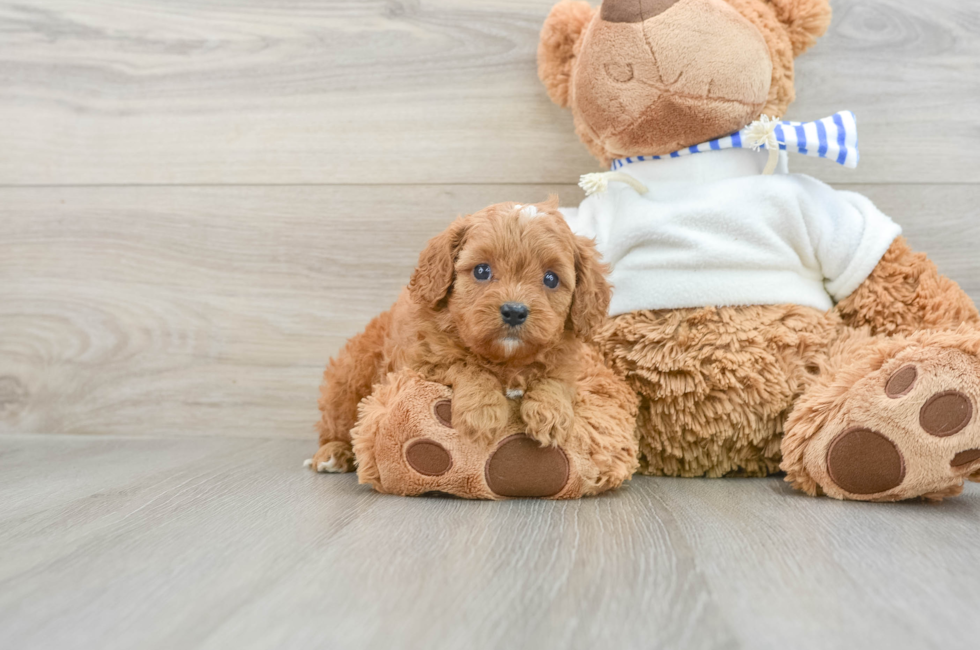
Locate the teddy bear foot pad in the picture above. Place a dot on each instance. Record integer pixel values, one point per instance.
(405, 444)
(434, 458)
(518, 467)
(910, 429)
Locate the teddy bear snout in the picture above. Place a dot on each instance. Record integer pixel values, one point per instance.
(651, 87)
(633, 11)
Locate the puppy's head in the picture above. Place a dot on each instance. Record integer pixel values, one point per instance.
(510, 281)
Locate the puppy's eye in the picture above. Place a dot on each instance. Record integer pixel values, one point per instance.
(482, 272)
(550, 280)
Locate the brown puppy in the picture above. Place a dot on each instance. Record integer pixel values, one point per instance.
(497, 309)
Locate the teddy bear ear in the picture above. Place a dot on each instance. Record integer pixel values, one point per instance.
(556, 50)
(805, 21)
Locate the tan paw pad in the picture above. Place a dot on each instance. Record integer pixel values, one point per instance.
(520, 467)
(946, 413)
(900, 383)
(906, 429)
(443, 410)
(965, 458)
(428, 457)
(862, 461)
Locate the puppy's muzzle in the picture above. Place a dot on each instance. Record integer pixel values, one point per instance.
(513, 313)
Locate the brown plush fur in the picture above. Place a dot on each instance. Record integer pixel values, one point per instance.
(805, 21)
(649, 88)
(447, 326)
(560, 42)
(905, 293)
(715, 384)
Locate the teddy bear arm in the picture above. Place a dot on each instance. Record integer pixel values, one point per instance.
(906, 293)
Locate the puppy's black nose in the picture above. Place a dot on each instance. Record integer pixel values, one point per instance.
(513, 313)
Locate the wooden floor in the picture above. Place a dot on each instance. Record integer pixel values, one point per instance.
(200, 200)
(112, 542)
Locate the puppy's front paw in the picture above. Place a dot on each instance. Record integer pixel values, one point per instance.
(547, 418)
(484, 418)
(332, 458)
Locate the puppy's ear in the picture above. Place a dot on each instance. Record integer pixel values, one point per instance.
(557, 48)
(590, 300)
(805, 21)
(434, 275)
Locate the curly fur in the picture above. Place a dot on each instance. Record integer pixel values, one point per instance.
(905, 293)
(805, 21)
(447, 326)
(715, 384)
(605, 406)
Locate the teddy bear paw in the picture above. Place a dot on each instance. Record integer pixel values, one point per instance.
(409, 446)
(515, 466)
(910, 429)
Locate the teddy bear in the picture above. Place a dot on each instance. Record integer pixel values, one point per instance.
(480, 381)
(765, 321)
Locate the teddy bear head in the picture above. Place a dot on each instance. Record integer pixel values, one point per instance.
(649, 77)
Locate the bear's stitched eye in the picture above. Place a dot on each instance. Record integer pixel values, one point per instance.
(550, 280)
(482, 272)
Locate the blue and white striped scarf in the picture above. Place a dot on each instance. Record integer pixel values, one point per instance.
(834, 138)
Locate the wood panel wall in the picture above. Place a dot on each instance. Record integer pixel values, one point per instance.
(200, 200)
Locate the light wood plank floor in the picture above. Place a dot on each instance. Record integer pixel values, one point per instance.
(113, 542)
(201, 199)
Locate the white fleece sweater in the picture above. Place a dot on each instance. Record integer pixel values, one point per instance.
(713, 231)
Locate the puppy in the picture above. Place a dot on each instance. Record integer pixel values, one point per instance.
(497, 309)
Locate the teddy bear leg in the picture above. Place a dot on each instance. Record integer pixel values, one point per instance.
(892, 419)
(405, 444)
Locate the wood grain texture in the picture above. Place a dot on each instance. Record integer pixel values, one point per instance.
(412, 91)
(200, 200)
(156, 543)
(212, 311)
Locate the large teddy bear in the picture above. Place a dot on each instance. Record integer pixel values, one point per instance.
(765, 320)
